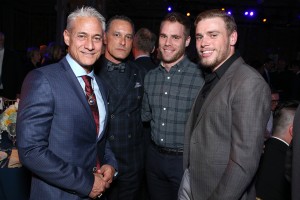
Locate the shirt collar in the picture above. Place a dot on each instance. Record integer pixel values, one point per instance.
(142, 56)
(280, 140)
(77, 69)
(184, 62)
(223, 68)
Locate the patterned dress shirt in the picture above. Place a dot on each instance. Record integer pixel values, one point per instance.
(168, 99)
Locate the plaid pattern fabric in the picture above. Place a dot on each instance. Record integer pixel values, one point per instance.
(168, 100)
(125, 129)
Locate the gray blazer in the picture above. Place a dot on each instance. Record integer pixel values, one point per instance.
(223, 148)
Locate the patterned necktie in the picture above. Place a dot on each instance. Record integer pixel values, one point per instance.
(90, 95)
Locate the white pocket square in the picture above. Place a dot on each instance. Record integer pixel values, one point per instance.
(137, 84)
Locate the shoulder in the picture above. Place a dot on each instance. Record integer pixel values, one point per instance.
(194, 68)
(190, 66)
(153, 72)
(136, 68)
(133, 65)
(50, 72)
(242, 72)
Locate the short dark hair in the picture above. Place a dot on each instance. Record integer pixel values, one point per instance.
(144, 40)
(180, 18)
(228, 19)
(119, 17)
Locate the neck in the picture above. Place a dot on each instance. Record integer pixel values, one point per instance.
(112, 59)
(138, 54)
(168, 66)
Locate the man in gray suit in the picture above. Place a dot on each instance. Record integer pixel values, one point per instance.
(225, 131)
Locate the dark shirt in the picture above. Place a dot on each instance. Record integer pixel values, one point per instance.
(168, 100)
(211, 79)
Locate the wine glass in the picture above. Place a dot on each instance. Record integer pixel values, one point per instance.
(12, 134)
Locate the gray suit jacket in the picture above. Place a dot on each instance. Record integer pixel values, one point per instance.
(223, 147)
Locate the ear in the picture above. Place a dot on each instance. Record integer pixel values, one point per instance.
(291, 130)
(67, 37)
(233, 38)
(187, 41)
(153, 49)
(104, 38)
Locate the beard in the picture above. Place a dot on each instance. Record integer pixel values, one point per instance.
(215, 62)
(173, 58)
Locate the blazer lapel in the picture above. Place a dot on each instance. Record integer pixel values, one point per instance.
(104, 97)
(75, 85)
(130, 85)
(217, 89)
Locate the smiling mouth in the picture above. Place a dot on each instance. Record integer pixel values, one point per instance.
(206, 53)
(88, 53)
(168, 50)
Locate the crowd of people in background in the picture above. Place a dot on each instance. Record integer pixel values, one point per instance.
(208, 130)
(17, 65)
(281, 74)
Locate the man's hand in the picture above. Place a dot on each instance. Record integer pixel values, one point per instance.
(107, 172)
(100, 185)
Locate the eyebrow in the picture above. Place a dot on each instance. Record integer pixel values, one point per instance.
(85, 33)
(174, 35)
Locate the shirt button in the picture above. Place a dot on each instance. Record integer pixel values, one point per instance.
(163, 124)
(164, 108)
(161, 139)
(129, 136)
(168, 77)
(111, 137)
(166, 92)
(179, 70)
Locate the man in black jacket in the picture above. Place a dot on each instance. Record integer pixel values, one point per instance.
(271, 183)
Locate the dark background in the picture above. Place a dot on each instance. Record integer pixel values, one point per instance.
(35, 22)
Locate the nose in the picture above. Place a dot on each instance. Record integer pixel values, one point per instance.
(89, 44)
(204, 41)
(168, 41)
(123, 40)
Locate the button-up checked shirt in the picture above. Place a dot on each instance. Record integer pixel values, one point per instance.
(168, 99)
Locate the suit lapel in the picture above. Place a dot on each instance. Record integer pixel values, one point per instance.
(113, 91)
(75, 85)
(104, 97)
(130, 85)
(218, 88)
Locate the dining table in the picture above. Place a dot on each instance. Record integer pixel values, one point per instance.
(15, 179)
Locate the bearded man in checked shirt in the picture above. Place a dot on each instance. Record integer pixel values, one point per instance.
(170, 90)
